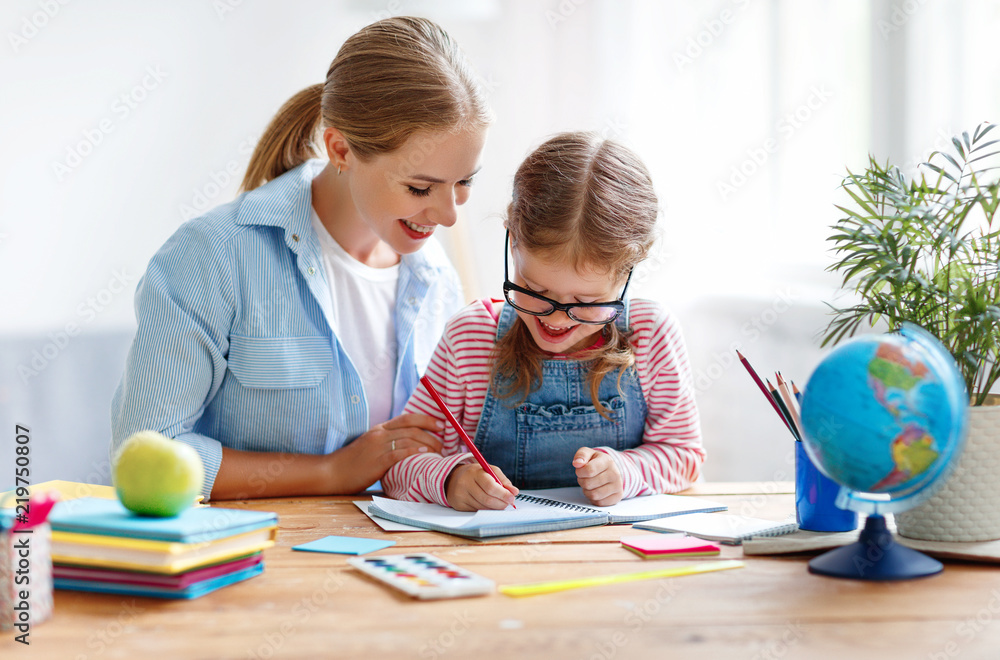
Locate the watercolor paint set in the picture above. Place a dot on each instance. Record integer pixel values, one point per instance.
(424, 576)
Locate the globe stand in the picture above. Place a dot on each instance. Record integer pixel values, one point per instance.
(875, 556)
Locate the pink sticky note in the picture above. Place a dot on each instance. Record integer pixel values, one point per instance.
(659, 545)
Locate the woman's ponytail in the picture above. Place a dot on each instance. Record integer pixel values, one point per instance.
(290, 138)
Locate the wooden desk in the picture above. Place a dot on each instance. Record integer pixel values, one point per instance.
(309, 605)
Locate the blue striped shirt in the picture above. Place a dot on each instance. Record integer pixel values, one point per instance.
(233, 348)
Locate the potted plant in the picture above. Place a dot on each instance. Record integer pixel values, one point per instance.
(926, 250)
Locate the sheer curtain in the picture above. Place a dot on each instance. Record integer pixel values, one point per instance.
(748, 115)
(747, 112)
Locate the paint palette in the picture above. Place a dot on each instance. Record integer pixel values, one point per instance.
(424, 576)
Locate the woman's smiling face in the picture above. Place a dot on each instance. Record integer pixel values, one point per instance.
(404, 195)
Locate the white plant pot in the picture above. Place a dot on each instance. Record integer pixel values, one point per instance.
(967, 507)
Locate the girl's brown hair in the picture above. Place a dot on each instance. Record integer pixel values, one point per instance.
(388, 81)
(590, 203)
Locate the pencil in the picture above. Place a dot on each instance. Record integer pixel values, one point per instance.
(770, 399)
(461, 432)
(783, 410)
(797, 393)
(789, 400)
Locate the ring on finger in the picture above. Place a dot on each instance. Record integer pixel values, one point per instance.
(394, 445)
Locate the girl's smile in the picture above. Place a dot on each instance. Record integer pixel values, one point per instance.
(562, 282)
(553, 334)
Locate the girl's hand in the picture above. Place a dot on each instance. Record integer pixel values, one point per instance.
(366, 460)
(471, 488)
(599, 477)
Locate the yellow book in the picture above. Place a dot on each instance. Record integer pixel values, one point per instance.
(67, 490)
(165, 557)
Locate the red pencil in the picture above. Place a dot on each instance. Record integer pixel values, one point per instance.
(461, 432)
(770, 399)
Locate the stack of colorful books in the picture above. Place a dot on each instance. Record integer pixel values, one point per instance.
(99, 545)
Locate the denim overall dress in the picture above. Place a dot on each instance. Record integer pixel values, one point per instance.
(534, 442)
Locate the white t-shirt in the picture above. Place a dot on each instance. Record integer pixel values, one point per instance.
(363, 299)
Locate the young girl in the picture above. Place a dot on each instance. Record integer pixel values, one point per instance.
(281, 334)
(568, 383)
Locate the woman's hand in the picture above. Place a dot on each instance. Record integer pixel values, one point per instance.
(598, 476)
(471, 488)
(365, 460)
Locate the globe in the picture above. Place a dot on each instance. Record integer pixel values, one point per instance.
(885, 417)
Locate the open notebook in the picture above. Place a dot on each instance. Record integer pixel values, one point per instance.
(537, 511)
(634, 509)
(720, 527)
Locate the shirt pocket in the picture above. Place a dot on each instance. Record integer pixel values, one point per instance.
(279, 363)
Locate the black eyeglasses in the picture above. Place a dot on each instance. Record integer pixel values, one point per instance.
(529, 302)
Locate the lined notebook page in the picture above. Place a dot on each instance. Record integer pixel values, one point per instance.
(632, 509)
(435, 514)
(722, 527)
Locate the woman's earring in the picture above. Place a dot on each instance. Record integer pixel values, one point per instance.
(338, 170)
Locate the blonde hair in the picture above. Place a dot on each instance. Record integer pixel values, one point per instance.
(389, 80)
(588, 202)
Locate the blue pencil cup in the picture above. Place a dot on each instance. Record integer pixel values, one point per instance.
(815, 497)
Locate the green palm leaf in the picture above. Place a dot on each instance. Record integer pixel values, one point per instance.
(925, 250)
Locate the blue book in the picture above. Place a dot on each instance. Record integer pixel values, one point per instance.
(194, 590)
(89, 515)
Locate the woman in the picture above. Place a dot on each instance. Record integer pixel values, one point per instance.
(281, 334)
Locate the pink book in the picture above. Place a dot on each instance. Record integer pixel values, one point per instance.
(179, 581)
(660, 545)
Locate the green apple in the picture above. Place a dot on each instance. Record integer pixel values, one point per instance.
(157, 476)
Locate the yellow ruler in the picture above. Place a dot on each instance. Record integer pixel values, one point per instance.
(519, 590)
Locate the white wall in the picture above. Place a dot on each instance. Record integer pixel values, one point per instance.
(119, 120)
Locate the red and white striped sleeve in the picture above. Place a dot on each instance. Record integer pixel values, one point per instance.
(670, 456)
(459, 369)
